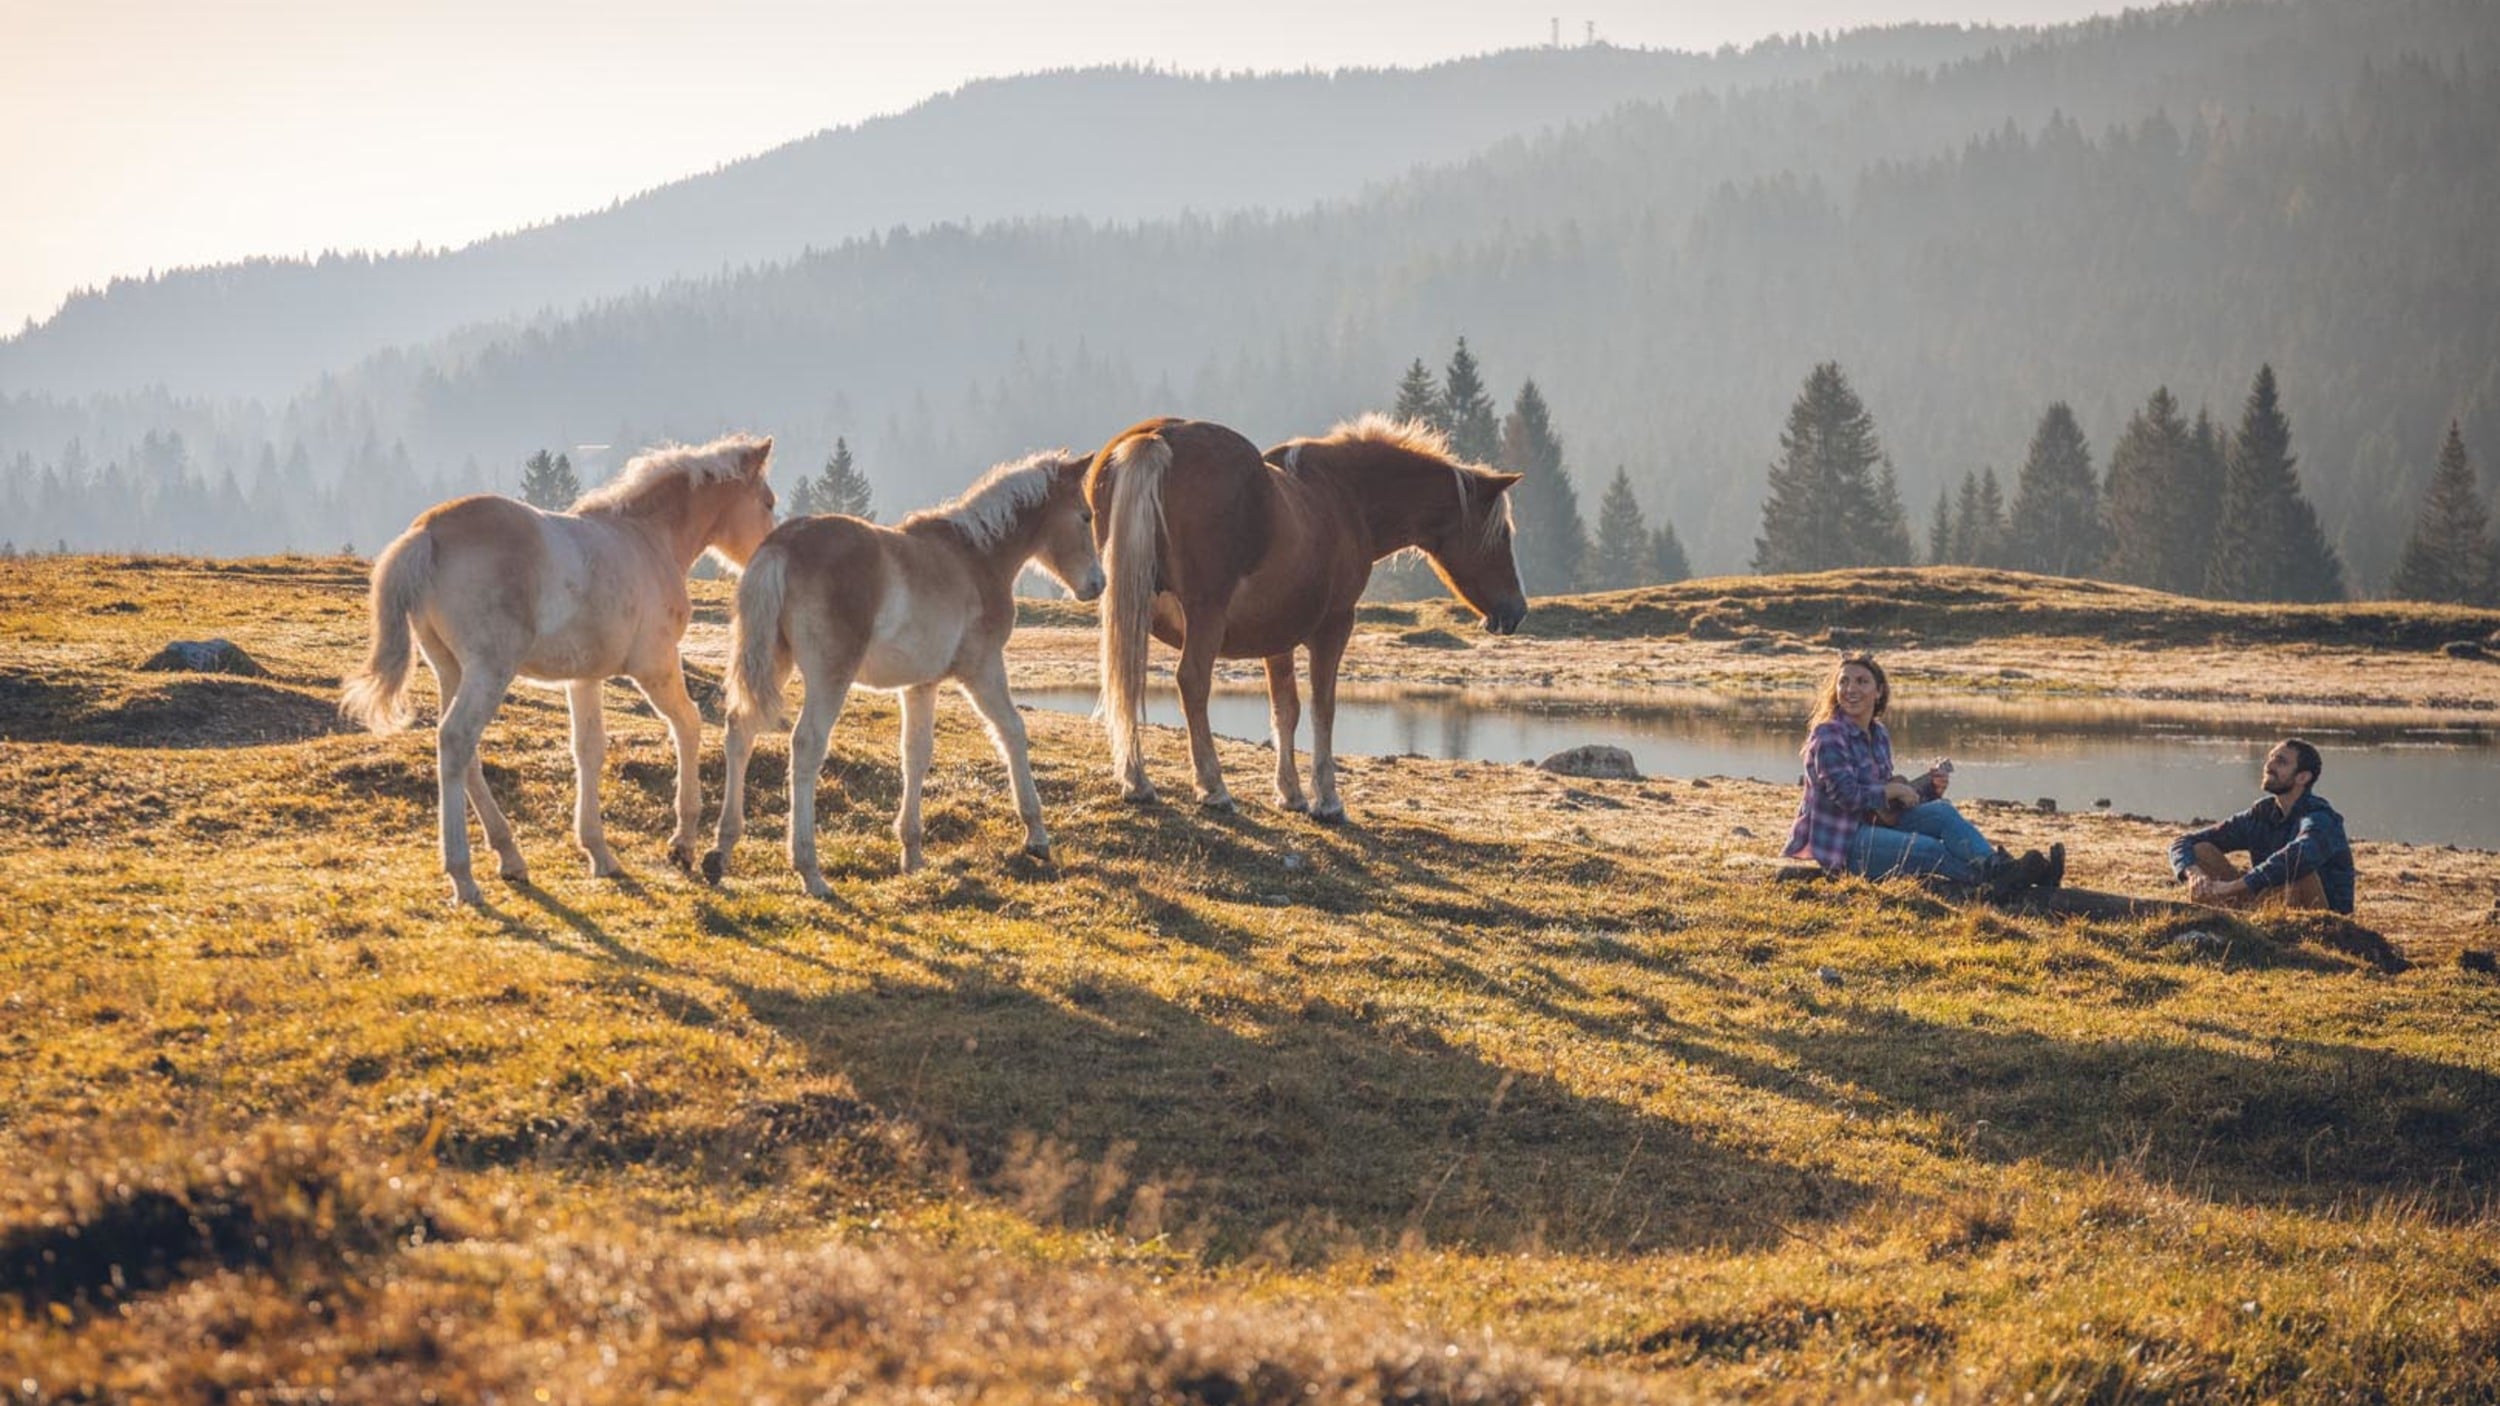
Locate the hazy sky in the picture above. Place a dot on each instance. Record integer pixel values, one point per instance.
(139, 134)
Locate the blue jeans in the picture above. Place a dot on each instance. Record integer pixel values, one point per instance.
(1930, 838)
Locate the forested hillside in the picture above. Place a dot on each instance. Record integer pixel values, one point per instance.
(1107, 144)
(2088, 215)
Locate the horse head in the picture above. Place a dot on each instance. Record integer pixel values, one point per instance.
(1065, 544)
(1472, 554)
(744, 517)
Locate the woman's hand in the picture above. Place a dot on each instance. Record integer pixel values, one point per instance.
(1900, 794)
(1939, 777)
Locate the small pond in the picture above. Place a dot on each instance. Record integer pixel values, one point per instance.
(2426, 781)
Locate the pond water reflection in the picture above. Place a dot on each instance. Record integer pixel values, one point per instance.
(2426, 781)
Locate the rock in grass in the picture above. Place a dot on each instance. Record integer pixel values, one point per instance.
(204, 657)
(2474, 959)
(1596, 761)
(1432, 638)
(2464, 649)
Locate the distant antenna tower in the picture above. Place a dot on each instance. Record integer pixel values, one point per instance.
(1556, 41)
(1592, 24)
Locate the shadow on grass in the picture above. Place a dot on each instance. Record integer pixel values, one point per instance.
(2313, 1123)
(160, 710)
(1252, 1127)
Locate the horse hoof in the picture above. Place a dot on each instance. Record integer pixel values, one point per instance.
(467, 896)
(1219, 803)
(682, 856)
(1329, 814)
(1040, 851)
(1142, 796)
(515, 873)
(715, 864)
(1295, 804)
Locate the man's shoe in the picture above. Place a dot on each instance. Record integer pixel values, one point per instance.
(2056, 875)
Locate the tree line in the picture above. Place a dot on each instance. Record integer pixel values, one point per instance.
(2188, 507)
(1555, 552)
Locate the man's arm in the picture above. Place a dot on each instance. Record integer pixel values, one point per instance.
(2320, 835)
(2226, 837)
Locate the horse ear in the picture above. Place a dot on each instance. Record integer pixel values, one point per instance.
(758, 457)
(1501, 482)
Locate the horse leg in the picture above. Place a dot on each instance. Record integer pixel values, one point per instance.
(987, 689)
(590, 753)
(1284, 714)
(1327, 651)
(809, 737)
(919, 738)
(510, 866)
(1202, 637)
(736, 746)
(665, 686)
(455, 757)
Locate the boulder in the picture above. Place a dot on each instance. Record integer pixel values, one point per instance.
(1596, 761)
(204, 657)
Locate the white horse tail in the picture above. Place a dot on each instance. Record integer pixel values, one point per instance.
(1131, 550)
(377, 694)
(759, 655)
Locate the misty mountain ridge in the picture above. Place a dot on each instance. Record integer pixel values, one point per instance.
(2168, 199)
(1114, 144)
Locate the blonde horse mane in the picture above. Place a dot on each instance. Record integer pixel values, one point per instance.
(1375, 430)
(995, 502)
(695, 465)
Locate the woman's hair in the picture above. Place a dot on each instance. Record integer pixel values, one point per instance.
(1828, 707)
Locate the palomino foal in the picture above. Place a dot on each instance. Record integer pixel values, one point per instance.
(493, 590)
(901, 609)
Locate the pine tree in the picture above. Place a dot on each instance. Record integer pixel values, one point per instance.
(2055, 527)
(547, 481)
(1825, 508)
(1989, 531)
(2451, 555)
(1419, 398)
(1622, 558)
(1886, 540)
(2267, 544)
(1667, 562)
(1967, 527)
(1940, 531)
(1467, 410)
(1551, 539)
(2156, 507)
(843, 488)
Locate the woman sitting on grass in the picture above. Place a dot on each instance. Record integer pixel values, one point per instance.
(1856, 816)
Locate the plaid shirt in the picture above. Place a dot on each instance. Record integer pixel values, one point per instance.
(1844, 784)
(2310, 840)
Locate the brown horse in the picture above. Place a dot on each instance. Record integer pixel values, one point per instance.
(898, 609)
(1226, 553)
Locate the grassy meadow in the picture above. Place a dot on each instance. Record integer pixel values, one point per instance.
(1518, 1088)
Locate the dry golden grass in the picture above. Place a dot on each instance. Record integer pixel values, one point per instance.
(1517, 1089)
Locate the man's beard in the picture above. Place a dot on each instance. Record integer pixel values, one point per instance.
(2277, 788)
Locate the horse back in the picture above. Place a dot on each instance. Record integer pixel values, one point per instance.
(876, 602)
(1218, 504)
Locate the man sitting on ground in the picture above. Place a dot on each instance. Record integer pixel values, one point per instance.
(2293, 838)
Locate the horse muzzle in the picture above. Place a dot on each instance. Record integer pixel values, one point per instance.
(1091, 587)
(1504, 619)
